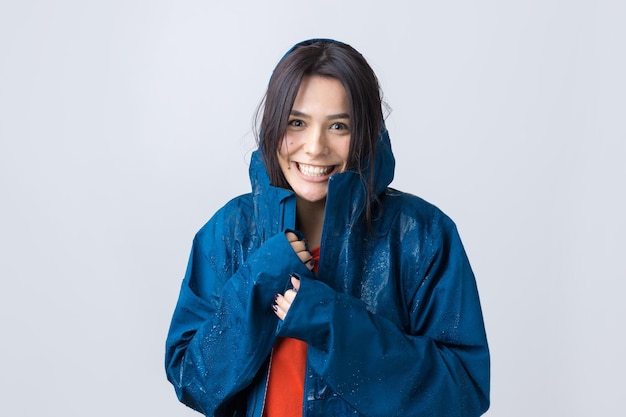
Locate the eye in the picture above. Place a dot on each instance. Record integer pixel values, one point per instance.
(339, 126)
(296, 123)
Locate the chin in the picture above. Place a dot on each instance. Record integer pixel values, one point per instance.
(312, 197)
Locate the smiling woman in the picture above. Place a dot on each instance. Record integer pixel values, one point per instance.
(315, 147)
(324, 292)
(317, 142)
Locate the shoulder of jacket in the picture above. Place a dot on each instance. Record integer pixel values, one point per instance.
(410, 203)
(410, 206)
(234, 214)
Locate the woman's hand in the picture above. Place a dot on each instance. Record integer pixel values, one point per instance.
(282, 303)
(299, 247)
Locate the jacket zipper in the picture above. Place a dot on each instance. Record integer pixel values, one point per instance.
(304, 387)
(267, 382)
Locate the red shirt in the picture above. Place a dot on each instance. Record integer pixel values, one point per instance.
(285, 387)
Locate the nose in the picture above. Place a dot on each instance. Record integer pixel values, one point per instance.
(316, 142)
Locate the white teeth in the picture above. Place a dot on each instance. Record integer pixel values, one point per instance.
(313, 171)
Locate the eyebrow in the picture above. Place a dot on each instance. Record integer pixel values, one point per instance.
(329, 117)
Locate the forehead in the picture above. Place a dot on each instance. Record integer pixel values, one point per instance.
(321, 95)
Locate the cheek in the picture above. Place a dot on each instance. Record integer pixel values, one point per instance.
(344, 151)
(283, 153)
(286, 145)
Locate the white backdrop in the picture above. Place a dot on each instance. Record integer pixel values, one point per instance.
(125, 124)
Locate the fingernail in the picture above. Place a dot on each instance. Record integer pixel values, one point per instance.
(274, 307)
(275, 297)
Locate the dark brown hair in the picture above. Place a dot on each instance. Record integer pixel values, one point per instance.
(327, 58)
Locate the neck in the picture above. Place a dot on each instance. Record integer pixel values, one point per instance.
(310, 219)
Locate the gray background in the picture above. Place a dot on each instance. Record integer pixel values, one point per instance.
(125, 124)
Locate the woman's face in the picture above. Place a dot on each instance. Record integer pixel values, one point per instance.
(317, 141)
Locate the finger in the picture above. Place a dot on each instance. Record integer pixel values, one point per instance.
(310, 264)
(283, 303)
(289, 296)
(298, 246)
(305, 256)
(295, 282)
(279, 311)
(291, 236)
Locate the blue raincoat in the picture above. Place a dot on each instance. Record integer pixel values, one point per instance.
(392, 319)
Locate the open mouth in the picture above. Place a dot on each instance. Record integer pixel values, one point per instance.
(315, 171)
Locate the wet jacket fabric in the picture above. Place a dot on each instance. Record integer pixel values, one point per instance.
(392, 319)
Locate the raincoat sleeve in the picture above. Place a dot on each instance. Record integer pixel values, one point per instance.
(223, 326)
(437, 366)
